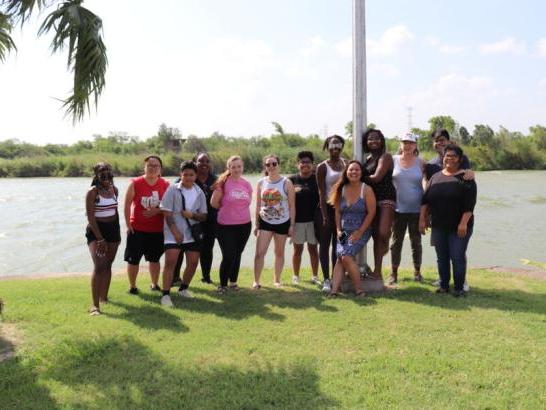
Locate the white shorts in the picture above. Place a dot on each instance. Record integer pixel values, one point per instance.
(304, 232)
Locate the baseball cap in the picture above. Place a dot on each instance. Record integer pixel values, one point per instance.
(408, 136)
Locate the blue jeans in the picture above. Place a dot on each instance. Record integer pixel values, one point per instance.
(451, 249)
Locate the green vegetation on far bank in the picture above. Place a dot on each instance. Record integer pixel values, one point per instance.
(287, 348)
(487, 149)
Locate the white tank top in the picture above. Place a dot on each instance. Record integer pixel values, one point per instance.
(106, 206)
(274, 201)
(331, 177)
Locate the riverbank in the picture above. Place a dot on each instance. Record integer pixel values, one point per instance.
(287, 348)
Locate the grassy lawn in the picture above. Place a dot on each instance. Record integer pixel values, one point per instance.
(288, 348)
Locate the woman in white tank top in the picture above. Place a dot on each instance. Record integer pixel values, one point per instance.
(328, 172)
(275, 217)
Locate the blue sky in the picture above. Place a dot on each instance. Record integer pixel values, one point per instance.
(235, 66)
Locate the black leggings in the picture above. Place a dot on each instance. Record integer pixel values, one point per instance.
(232, 240)
(327, 237)
(205, 257)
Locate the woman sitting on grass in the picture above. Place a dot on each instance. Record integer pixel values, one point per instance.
(354, 204)
(450, 200)
(102, 233)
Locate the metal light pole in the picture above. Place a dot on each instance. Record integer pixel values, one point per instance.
(359, 89)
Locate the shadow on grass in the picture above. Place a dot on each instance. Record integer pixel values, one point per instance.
(123, 373)
(247, 303)
(17, 382)
(511, 300)
(149, 317)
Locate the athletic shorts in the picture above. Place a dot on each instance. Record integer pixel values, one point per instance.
(147, 244)
(281, 229)
(108, 230)
(184, 247)
(304, 232)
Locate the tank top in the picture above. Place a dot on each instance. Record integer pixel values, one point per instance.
(147, 197)
(274, 202)
(409, 186)
(384, 189)
(105, 207)
(331, 177)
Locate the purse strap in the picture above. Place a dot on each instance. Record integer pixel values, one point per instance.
(184, 208)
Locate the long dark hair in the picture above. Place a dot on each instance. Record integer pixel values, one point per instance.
(96, 170)
(337, 188)
(367, 135)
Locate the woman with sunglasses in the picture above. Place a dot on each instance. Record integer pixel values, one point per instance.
(103, 235)
(275, 217)
(328, 173)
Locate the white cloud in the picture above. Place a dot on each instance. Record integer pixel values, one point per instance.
(448, 49)
(509, 45)
(541, 47)
(390, 43)
(315, 44)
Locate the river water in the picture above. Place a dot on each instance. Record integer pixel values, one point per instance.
(43, 222)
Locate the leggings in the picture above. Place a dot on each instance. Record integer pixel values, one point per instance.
(327, 237)
(205, 257)
(411, 222)
(232, 240)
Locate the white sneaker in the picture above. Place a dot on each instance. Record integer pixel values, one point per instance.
(185, 293)
(436, 283)
(166, 301)
(296, 280)
(466, 287)
(315, 280)
(327, 287)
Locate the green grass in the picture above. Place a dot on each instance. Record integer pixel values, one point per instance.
(289, 348)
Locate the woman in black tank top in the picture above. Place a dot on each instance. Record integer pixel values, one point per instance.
(378, 167)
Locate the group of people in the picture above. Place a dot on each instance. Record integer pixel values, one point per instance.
(334, 208)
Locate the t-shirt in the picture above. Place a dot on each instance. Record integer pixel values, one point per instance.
(147, 197)
(307, 197)
(448, 198)
(235, 203)
(436, 164)
(172, 201)
(206, 187)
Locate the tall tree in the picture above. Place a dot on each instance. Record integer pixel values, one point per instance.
(74, 27)
(442, 121)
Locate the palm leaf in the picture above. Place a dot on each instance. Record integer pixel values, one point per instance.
(21, 10)
(80, 30)
(6, 42)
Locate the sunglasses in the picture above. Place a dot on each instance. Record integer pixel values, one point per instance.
(271, 164)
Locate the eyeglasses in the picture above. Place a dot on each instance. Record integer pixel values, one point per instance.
(305, 161)
(271, 164)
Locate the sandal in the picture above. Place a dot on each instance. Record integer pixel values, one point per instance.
(256, 286)
(94, 311)
(417, 277)
(392, 280)
(234, 287)
(361, 294)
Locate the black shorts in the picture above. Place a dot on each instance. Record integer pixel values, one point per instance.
(149, 244)
(281, 229)
(108, 230)
(184, 247)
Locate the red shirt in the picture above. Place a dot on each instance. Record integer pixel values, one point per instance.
(147, 197)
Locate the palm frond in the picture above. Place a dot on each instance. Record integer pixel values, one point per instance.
(21, 10)
(6, 42)
(79, 29)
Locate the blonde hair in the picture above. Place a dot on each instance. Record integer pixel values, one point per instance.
(225, 175)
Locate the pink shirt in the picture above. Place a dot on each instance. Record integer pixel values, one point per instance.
(235, 203)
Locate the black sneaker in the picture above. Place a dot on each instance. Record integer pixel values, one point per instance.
(459, 293)
(133, 291)
(155, 288)
(207, 280)
(442, 290)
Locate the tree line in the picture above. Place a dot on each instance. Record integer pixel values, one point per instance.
(487, 149)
